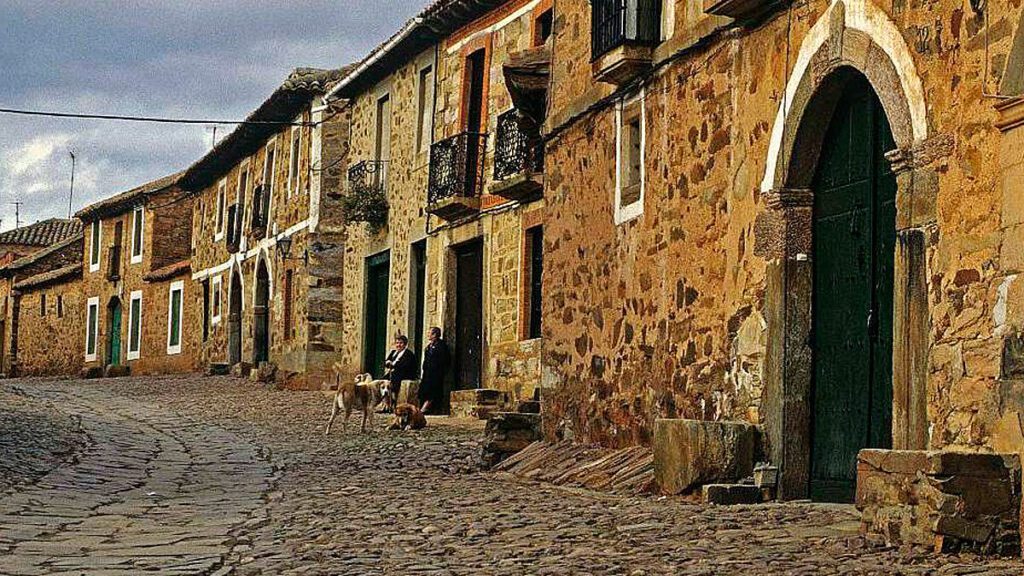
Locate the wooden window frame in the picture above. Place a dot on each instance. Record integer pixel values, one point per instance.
(138, 222)
(179, 287)
(625, 111)
(294, 159)
(216, 304)
(95, 245)
(92, 333)
(219, 216)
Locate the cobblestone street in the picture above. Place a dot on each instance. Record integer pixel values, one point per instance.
(216, 476)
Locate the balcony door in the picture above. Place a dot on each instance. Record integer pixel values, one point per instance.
(382, 151)
(473, 117)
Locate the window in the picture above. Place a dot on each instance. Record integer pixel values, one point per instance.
(426, 109)
(287, 305)
(629, 158)
(60, 306)
(243, 189)
(293, 161)
(222, 188)
(91, 329)
(135, 325)
(533, 270)
(94, 246)
(261, 198)
(174, 317)
(215, 315)
(206, 310)
(138, 220)
(542, 27)
(668, 18)
(383, 152)
(42, 304)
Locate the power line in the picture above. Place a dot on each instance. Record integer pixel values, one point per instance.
(154, 119)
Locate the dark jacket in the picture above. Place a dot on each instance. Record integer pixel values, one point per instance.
(407, 368)
(436, 359)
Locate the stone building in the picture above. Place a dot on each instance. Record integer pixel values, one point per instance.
(267, 238)
(38, 291)
(135, 265)
(714, 169)
(436, 137)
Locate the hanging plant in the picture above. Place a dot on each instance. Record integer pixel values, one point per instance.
(368, 205)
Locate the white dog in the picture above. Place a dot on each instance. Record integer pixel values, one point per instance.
(364, 392)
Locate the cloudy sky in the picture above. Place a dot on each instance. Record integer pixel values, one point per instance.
(215, 59)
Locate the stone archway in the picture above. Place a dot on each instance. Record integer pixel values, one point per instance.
(852, 39)
(261, 315)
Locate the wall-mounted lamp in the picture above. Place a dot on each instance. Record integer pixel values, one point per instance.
(284, 248)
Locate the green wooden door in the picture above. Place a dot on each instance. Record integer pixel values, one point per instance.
(378, 269)
(115, 334)
(854, 243)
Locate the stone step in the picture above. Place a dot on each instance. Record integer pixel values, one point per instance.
(730, 494)
(218, 369)
(528, 407)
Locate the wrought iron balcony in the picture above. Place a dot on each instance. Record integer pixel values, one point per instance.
(367, 199)
(623, 34)
(114, 262)
(741, 10)
(233, 238)
(518, 157)
(456, 175)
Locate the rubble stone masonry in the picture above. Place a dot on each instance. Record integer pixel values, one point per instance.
(678, 312)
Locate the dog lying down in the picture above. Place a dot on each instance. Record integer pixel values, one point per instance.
(408, 417)
(363, 393)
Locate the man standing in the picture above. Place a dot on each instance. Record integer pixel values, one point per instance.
(435, 367)
(400, 365)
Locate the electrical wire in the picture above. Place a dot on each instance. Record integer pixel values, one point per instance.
(151, 119)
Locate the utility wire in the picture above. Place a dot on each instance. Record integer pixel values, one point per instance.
(154, 119)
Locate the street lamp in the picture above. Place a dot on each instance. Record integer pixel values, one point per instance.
(284, 248)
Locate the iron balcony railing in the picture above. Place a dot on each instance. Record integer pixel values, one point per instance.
(114, 262)
(615, 23)
(518, 148)
(457, 166)
(368, 176)
(233, 238)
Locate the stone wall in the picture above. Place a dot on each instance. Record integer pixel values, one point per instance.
(51, 344)
(668, 314)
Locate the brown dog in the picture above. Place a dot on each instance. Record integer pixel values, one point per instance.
(408, 417)
(363, 392)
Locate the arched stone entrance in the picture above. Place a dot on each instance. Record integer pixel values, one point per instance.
(261, 316)
(235, 319)
(855, 47)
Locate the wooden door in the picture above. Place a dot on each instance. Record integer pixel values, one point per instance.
(854, 245)
(235, 321)
(261, 317)
(375, 346)
(419, 295)
(469, 307)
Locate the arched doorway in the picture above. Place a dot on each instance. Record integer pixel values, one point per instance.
(114, 313)
(235, 320)
(261, 316)
(853, 247)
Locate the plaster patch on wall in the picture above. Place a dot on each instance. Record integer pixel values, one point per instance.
(999, 309)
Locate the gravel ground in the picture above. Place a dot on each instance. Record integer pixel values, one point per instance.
(415, 502)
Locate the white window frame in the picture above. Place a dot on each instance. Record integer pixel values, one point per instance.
(138, 220)
(92, 303)
(137, 353)
(178, 286)
(220, 220)
(626, 213)
(96, 245)
(217, 303)
(269, 177)
(294, 156)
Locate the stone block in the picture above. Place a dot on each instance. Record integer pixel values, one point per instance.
(91, 372)
(478, 403)
(507, 433)
(409, 393)
(528, 407)
(953, 501)
(690, 453)
(218, 369)
(241, 370)
(120, 371)
(728, 494)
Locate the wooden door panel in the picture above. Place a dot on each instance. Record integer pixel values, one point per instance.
(469, 315)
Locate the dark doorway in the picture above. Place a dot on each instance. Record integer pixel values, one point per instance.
(378, 272)
(469, 308)
(476, 68)
(114, 332)
(235, 320)
(261, 316)
(854, 244)
(418, 290)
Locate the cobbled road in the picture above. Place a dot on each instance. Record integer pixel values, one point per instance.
(215, 476)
